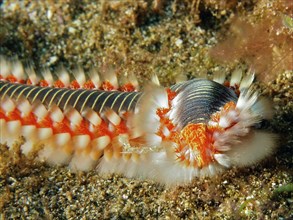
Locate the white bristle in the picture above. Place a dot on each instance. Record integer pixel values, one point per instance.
(101, 143)
(122, 114)
(13, 127)
(73, 116)
(264, 108)
(28, 130)
(172, 114)
(44, 133)
(61, 139)
(111, 127)
(153, 139)
(54, 155)
(63, 76)
(27, 147)
(212, 123)
(224, 122)
(157, 95)
(81, 162)
(56, 114)
(113, 117)
(161, 99)
(236, 77)
(175, 101)
(252, 149)
(232, 114)
(246, 99)
(155, 79)
(5, 67)
(145, 120)
(7, 105)
(108, 154)
(29, 70)
(47, 75)
(123, 80)
(123, 139)
(222, 147)
(222, 159)
(24, 107)
(166, 131)
(92, 128)
(29, 133)
(117, 146)
(204, 172)
(110, 75)
(79, 76)
(39, 110)
(95, 77)
(246, 81)
(17, 70)
(212, 170)
(155, 165)
(92, 116)
(9, 132)
(219, 77)
(81, 141)
(133, 80)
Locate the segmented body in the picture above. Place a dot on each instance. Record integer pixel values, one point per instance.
(80, 99)
(194, 128)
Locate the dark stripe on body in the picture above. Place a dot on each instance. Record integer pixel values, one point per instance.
(200, 99)
(64, 97)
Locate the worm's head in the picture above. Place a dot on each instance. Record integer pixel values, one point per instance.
(204, 127)
(219, 126)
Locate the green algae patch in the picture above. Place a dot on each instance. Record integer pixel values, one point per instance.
(288, 188)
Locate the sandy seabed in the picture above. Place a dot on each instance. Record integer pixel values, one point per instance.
(169, 38)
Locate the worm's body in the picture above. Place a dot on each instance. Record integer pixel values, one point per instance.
(194, 128)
